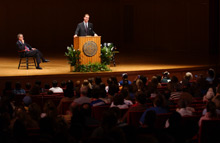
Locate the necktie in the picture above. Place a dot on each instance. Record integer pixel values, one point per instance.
(86, 27)
(26, 48)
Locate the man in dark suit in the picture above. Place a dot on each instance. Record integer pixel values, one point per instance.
(85, 28)
(29, 51)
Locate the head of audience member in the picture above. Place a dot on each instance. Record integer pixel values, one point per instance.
(185, 100)
(141, 98)
(28, 86)
(166, 75)
(27, 101)
(35, 90)
(189, 76)
(143, 79)
(17, 86)
(113, 89)
(116, 111)
(46, 86)
(211, 109)
(91, 80)
(77, 88)
(125, 93)
(150, 119)
(174, 79)
(69, 91)
(211, 73)
(50, 109)
(175, 120)
(109, 120)
(54, 83)
(8, 85)
(159, 101)
(63, 84)
(84, 91)
(114, 80)
(218, 90)
(96, 92)
(38, 82)
(154, 81)
(86, 109)
(87, 83)
(216, 100)
(118, 99)
(98, 80)
(140, 84)
(124, 76)
(109, 81)
(34, 111)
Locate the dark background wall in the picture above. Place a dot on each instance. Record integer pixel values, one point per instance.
(148, 26)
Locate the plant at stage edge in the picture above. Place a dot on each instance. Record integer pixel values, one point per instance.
(92, 67)
(106, 54)
(73, 56)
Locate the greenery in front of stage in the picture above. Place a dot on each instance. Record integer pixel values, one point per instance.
(73, 56)
(107, 54)
(92, 67)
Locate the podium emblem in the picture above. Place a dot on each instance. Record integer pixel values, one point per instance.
(90, 48)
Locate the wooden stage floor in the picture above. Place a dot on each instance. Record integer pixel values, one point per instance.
(59, 66)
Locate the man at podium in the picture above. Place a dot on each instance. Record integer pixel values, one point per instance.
(85, 28)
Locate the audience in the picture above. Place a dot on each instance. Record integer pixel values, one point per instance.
(41, 112)
(55, 88)
(18, 89)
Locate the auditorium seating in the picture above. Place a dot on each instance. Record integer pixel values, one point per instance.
(134, 117)
(65, 106)
(209, 131)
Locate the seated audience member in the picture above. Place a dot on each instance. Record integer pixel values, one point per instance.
(159, 107)
(209, 95)
(35, 90)
(63, 85)
(175, 88)
(140, 104)
(124, 78)
(68, 95)
(183, 103)
(38, 82)
(211, 76)
(98, 80)
(126, 96)
(55, 88)
(8, 88)
(109, 129)
(216, 100)
(95, 100)
(27, 87)
(210, 114)
(18, 90)
(152, 87)
(118, 101)
(46, 87)
(77, 88)
(34, 112)
(149, 123)
(103, 94)
(49, 110)
(165, 77)
(27, 101)
(83, 97)
(87, 84)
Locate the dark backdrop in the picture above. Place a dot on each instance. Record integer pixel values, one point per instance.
(145, 26)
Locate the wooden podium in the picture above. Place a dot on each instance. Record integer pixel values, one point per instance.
(89, 47)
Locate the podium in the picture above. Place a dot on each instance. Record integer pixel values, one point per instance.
(89, 47)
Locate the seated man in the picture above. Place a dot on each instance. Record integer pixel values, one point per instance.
(29, 51)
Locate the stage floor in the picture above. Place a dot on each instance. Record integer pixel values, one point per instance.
(59, 66)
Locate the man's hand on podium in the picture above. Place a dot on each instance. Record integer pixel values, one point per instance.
(75, 36)
(95, 35)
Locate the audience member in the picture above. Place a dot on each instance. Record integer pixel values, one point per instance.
(55, 88)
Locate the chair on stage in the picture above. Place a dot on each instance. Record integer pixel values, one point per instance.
(27, 62)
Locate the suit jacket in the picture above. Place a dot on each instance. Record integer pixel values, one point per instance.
(21, 47)
(81, 30)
